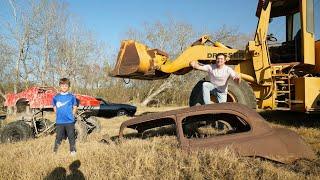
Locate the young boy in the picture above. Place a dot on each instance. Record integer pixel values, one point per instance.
(65, 107)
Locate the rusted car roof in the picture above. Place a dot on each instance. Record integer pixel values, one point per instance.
(259, 139)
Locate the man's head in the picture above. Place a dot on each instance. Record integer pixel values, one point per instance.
(220, 59)
(64, 84)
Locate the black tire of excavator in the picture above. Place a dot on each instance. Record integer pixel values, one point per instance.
(243, 94)
(16, 131)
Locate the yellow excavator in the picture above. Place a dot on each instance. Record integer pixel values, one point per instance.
(283, 75)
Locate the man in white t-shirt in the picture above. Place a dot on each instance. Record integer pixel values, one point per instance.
(219, 74)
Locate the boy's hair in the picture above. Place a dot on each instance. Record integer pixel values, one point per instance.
(64, 81)
(221, 54)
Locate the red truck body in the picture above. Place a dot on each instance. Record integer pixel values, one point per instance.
(41, 97)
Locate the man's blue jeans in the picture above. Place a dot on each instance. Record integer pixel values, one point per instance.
(208, 88)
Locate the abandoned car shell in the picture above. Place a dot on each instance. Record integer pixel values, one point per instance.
(249, 134)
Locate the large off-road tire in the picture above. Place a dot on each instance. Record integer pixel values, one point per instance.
(196, 96)
(242, 93)
(43, 124)
(24, 116)
(81, 131)
(16, 131)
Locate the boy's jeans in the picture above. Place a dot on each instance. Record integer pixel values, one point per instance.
(207, 89)
(63, 131)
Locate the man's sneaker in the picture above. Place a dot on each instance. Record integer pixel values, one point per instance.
(73, 153)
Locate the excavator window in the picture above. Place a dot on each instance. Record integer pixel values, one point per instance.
(310, 16)
(296, 26)
(285, 41)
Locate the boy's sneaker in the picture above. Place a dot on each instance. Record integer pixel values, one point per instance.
(73, 153)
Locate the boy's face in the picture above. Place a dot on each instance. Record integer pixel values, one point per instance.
(64, 87)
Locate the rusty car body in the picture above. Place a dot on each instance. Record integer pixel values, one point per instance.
(247, 134)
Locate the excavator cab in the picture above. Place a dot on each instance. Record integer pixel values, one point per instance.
(286, 54)
(291, 34)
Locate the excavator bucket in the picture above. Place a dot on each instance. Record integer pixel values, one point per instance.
(137, 61)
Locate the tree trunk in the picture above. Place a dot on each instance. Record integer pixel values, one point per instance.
(2, 93)
(150, 97)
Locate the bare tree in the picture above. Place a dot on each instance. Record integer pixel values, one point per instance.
(172, 37)
(6, 65)
(42, 43)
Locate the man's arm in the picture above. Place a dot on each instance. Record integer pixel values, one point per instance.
(196, 65)
(236, 77)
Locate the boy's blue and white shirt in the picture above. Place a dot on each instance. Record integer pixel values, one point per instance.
(64, 103)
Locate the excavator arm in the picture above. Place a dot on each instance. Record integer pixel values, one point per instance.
(137, 61)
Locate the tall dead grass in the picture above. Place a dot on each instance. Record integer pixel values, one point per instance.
(153, 158)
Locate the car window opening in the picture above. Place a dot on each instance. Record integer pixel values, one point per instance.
(156, 127)
(210, 125)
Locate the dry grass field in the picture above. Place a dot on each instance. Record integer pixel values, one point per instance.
(157, 157)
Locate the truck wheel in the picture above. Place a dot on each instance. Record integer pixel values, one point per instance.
(42, 125)
(16, 131)
(242, 93)
(94, 124)
(122, 112)
(81, 131)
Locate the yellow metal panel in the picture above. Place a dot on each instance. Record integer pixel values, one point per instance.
(193, 53)
(265, 97)
(307, 89)
(146, 62)
(307, 38)
(259, 50)
(312, 95)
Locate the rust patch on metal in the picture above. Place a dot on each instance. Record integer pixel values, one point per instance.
(247, 132)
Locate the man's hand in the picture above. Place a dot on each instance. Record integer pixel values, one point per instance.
(237, 79)
(194, 64)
